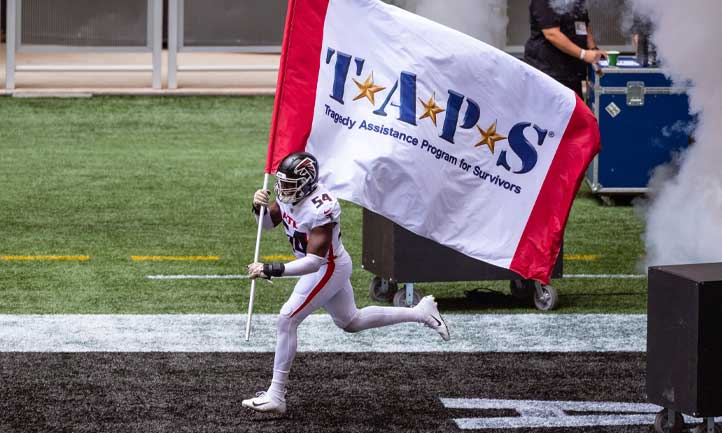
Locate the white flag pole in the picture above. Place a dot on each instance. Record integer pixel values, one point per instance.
(255, 259)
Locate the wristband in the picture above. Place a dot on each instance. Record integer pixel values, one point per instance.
(274, 269)
(581, 56)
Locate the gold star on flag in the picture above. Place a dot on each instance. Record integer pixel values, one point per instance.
(489, 137)
(368, 89)
(430, 109)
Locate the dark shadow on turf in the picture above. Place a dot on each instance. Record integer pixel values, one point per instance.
(481, 299)
(596, 295)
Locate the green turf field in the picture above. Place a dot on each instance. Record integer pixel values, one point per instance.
(111, 178)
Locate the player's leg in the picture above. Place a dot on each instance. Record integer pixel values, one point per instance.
(310, 293)
(273, 400)
(342, 309)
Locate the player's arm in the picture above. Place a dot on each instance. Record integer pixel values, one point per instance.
(272, 217)
(319, 242)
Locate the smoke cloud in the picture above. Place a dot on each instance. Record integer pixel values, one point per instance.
(485, 20)
(684, 214)
(562, 6)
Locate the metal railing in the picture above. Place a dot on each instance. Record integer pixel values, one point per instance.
(48, 34)
(248, 26)
(183, 26)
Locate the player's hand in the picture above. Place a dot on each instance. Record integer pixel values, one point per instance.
(255, 270)
(261, 198)
(594, 56)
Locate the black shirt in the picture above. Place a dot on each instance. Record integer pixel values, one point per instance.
(573, 22)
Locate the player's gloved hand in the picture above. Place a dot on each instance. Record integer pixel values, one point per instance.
(255, 270)
(261, 198)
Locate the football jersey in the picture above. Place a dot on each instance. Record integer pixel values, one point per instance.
(316, 210)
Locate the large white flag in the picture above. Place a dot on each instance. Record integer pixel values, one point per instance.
(443, 134)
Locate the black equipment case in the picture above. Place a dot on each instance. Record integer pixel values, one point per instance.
(396, 255)
(684, 342)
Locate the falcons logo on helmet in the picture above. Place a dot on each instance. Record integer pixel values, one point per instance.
(306, 169)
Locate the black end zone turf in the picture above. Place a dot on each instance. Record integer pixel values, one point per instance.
(328, 392)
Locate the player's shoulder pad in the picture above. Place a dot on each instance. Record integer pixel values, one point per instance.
(326, 208)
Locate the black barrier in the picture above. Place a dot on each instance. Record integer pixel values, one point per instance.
(684, 339)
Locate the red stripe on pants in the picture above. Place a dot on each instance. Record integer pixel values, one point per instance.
(331, 266)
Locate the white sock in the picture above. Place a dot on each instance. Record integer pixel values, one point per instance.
(277, 390)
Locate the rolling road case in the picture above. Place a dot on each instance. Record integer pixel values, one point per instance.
(643, 119)
(397, 256)
(684, 345)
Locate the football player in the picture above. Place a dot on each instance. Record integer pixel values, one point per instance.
(311, 217)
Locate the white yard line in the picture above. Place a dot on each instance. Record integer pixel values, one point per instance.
(224, 333)
(535, 414)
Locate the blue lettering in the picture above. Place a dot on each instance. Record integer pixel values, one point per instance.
(407, 109)
(542, 133)
(453, 109)
(382, 109)
(359, 66)
(522, 148)
(453, 106)
(408, 98)
(343, 62)
(472, 114)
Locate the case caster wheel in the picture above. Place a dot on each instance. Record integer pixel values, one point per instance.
(382, 290)
(400, 298)
(662, 424)
(546, 298)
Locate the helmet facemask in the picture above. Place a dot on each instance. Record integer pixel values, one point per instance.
(289, 190)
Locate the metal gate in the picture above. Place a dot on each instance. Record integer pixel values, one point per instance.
(52, 26)
(229, 25)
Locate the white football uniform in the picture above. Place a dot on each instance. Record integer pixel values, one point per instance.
(316, 210)
(329, 287)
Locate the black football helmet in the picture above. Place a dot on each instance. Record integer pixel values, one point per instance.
(296, 177)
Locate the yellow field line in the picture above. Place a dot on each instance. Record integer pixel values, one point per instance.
(278, 257)
(582, 257)
(175, 258)
(45, 258)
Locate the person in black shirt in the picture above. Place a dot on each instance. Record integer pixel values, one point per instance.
(561, 42)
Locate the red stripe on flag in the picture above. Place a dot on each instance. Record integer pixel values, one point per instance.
(542, 238)
(297, 79)
(331, 266)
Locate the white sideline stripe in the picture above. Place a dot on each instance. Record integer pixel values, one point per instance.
(243, 277)
(201, 277)
(224, 333)
(609, 276)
